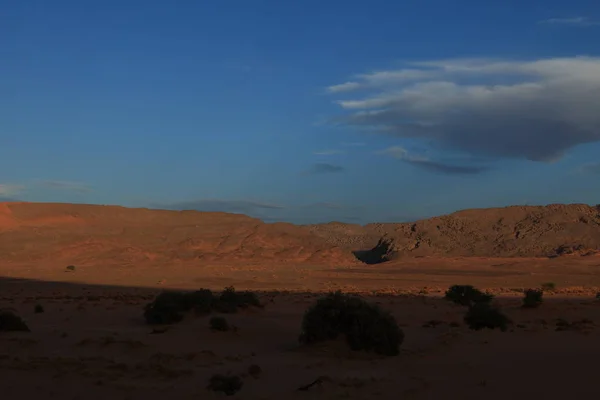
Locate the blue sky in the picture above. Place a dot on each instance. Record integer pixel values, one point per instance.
(302, 111)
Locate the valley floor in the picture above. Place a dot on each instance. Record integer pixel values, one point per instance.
(91, 341)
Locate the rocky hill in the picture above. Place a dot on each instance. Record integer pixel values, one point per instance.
(76, 233)
(517, 231)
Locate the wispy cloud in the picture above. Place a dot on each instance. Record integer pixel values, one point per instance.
(65, 185)
(325, 168)
(327, 152)
(8, 190)
(343, 87)
(573, 21)
(378, 78)
(214, 205)
(535, 110)
(434, 166)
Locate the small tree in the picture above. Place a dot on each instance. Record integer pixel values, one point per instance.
(366, 326)
(532, 298)
(467, 295)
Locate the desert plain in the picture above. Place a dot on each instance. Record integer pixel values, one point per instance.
(93, 269)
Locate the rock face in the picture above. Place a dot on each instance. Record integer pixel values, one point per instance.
(383, 251)
(517, 231)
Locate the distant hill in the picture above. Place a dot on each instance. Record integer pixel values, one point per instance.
(516, 231)
(77, 233)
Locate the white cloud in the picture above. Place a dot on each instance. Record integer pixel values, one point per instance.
(574, 21)
(505, 108)
(343, 87)
(10, 189)
(381, 78)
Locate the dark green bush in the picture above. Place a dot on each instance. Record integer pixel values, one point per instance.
(228, 384)
(11, 322)
(467, 295)
(38, 309)
(365, 326)
(533, 298)
(484, 315)
(70, 268)
(219, 324)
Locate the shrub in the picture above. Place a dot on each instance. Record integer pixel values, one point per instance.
(366, 326)
(548, 286)
(484, 315)
(70, 268)
(230, 300)
(11, 322)
(166, 308)
(228, 384)
(38, 309)
(533, 298)
(219, 324)
(201, 301)
(467, 295)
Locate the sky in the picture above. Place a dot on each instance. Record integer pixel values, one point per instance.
(306, 111)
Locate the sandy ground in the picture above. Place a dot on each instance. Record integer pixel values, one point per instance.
(92, 343)
(401, 276)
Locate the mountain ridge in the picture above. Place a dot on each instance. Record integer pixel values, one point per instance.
(84, 233)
